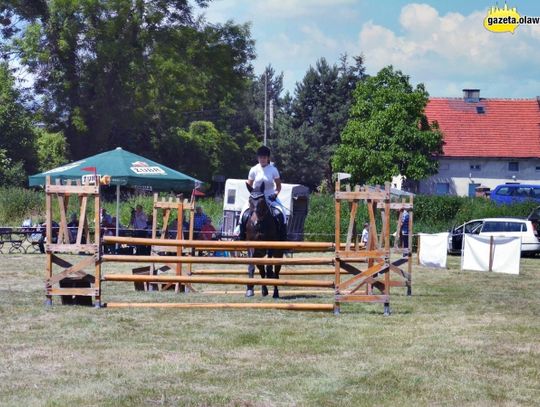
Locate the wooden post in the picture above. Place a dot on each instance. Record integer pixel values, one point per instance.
(154, 216)
(337, 240)
(97, 241)
(490, 253)
(418, 242)
(179, 232)
(411, 233)
(387, 247)
(48, 232)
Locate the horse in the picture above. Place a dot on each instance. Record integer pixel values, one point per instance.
(262, 226)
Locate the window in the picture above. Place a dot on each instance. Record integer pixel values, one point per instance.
(442, 188)
(504, 191)
(513, 166)
(504, 227)
(475, 167)
(231, 196)
(473, 227)
(523, 191)
(537, 168)
(480, 110)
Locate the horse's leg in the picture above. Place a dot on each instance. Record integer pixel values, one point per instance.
(251, 272)
(269, 268)
(273, 272)
(262, 272)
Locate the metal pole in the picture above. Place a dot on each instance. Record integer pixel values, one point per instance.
(265, 90)
(117, 213)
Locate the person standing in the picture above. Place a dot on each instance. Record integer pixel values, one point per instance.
(365, 235)
(404, 232)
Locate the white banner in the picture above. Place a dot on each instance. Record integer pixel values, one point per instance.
(505, 254)
(433, 249)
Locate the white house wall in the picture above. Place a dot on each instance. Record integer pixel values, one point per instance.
(460, 173)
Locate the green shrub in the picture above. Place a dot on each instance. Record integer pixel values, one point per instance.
(213, 207)
(431, 213)
(18, 203)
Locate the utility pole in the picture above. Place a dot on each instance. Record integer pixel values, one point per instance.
(265, 90)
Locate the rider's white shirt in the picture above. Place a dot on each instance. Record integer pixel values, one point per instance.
(266, 174)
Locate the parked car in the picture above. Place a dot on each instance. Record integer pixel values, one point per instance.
(515, 192)
(527, 229)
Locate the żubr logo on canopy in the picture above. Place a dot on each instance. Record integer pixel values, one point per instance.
(501, 20)
(142, 168)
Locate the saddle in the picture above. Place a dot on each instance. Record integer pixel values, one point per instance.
(277, 215)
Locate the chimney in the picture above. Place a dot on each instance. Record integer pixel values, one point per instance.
(471, 95)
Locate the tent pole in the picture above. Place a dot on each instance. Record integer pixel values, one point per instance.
(117, 212)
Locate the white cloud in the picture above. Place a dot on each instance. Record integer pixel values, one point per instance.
(444, 51)
(298, 8)
(447, 51)
(316, 36)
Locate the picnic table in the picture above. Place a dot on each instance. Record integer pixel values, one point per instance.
(20, 239)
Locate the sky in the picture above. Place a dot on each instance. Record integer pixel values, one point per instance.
(442, 44)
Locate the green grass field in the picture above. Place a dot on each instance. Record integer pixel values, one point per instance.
(463, 338)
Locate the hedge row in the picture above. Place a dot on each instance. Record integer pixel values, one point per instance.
(431, 213)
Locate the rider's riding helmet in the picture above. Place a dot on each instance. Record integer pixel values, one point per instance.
(263, 151)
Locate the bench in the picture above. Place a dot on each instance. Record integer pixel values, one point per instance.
(6, 237)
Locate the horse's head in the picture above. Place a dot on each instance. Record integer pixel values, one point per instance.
(257, 201)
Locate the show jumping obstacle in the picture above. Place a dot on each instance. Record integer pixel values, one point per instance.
(352, 281)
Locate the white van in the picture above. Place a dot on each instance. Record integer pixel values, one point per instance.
(524, 228)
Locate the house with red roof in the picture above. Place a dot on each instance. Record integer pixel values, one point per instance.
(487, 142)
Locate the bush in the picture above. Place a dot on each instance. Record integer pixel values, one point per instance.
(431, 213)
(213, 207)
(18, 203)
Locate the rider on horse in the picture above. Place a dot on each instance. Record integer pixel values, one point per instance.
(266, 173)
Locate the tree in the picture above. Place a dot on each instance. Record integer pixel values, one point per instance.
(387, 133)
(11, 173)
(203, 151)
(16, 132)
(128, 73)
(318, 114)
(51, 150)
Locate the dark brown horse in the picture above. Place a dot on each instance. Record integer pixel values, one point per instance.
(261, 226)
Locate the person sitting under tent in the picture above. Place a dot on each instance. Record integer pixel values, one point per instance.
(199, 221)
(139, 222)
(73, 227)
(173, 227)
(208, 231)
(44, 239)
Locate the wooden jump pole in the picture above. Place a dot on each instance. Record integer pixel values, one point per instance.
(218, 280)
(281, 292)
(314, 261)
(221, 245)
(291, 307)
(311, 272)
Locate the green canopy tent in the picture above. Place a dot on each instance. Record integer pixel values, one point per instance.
(125, 169)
